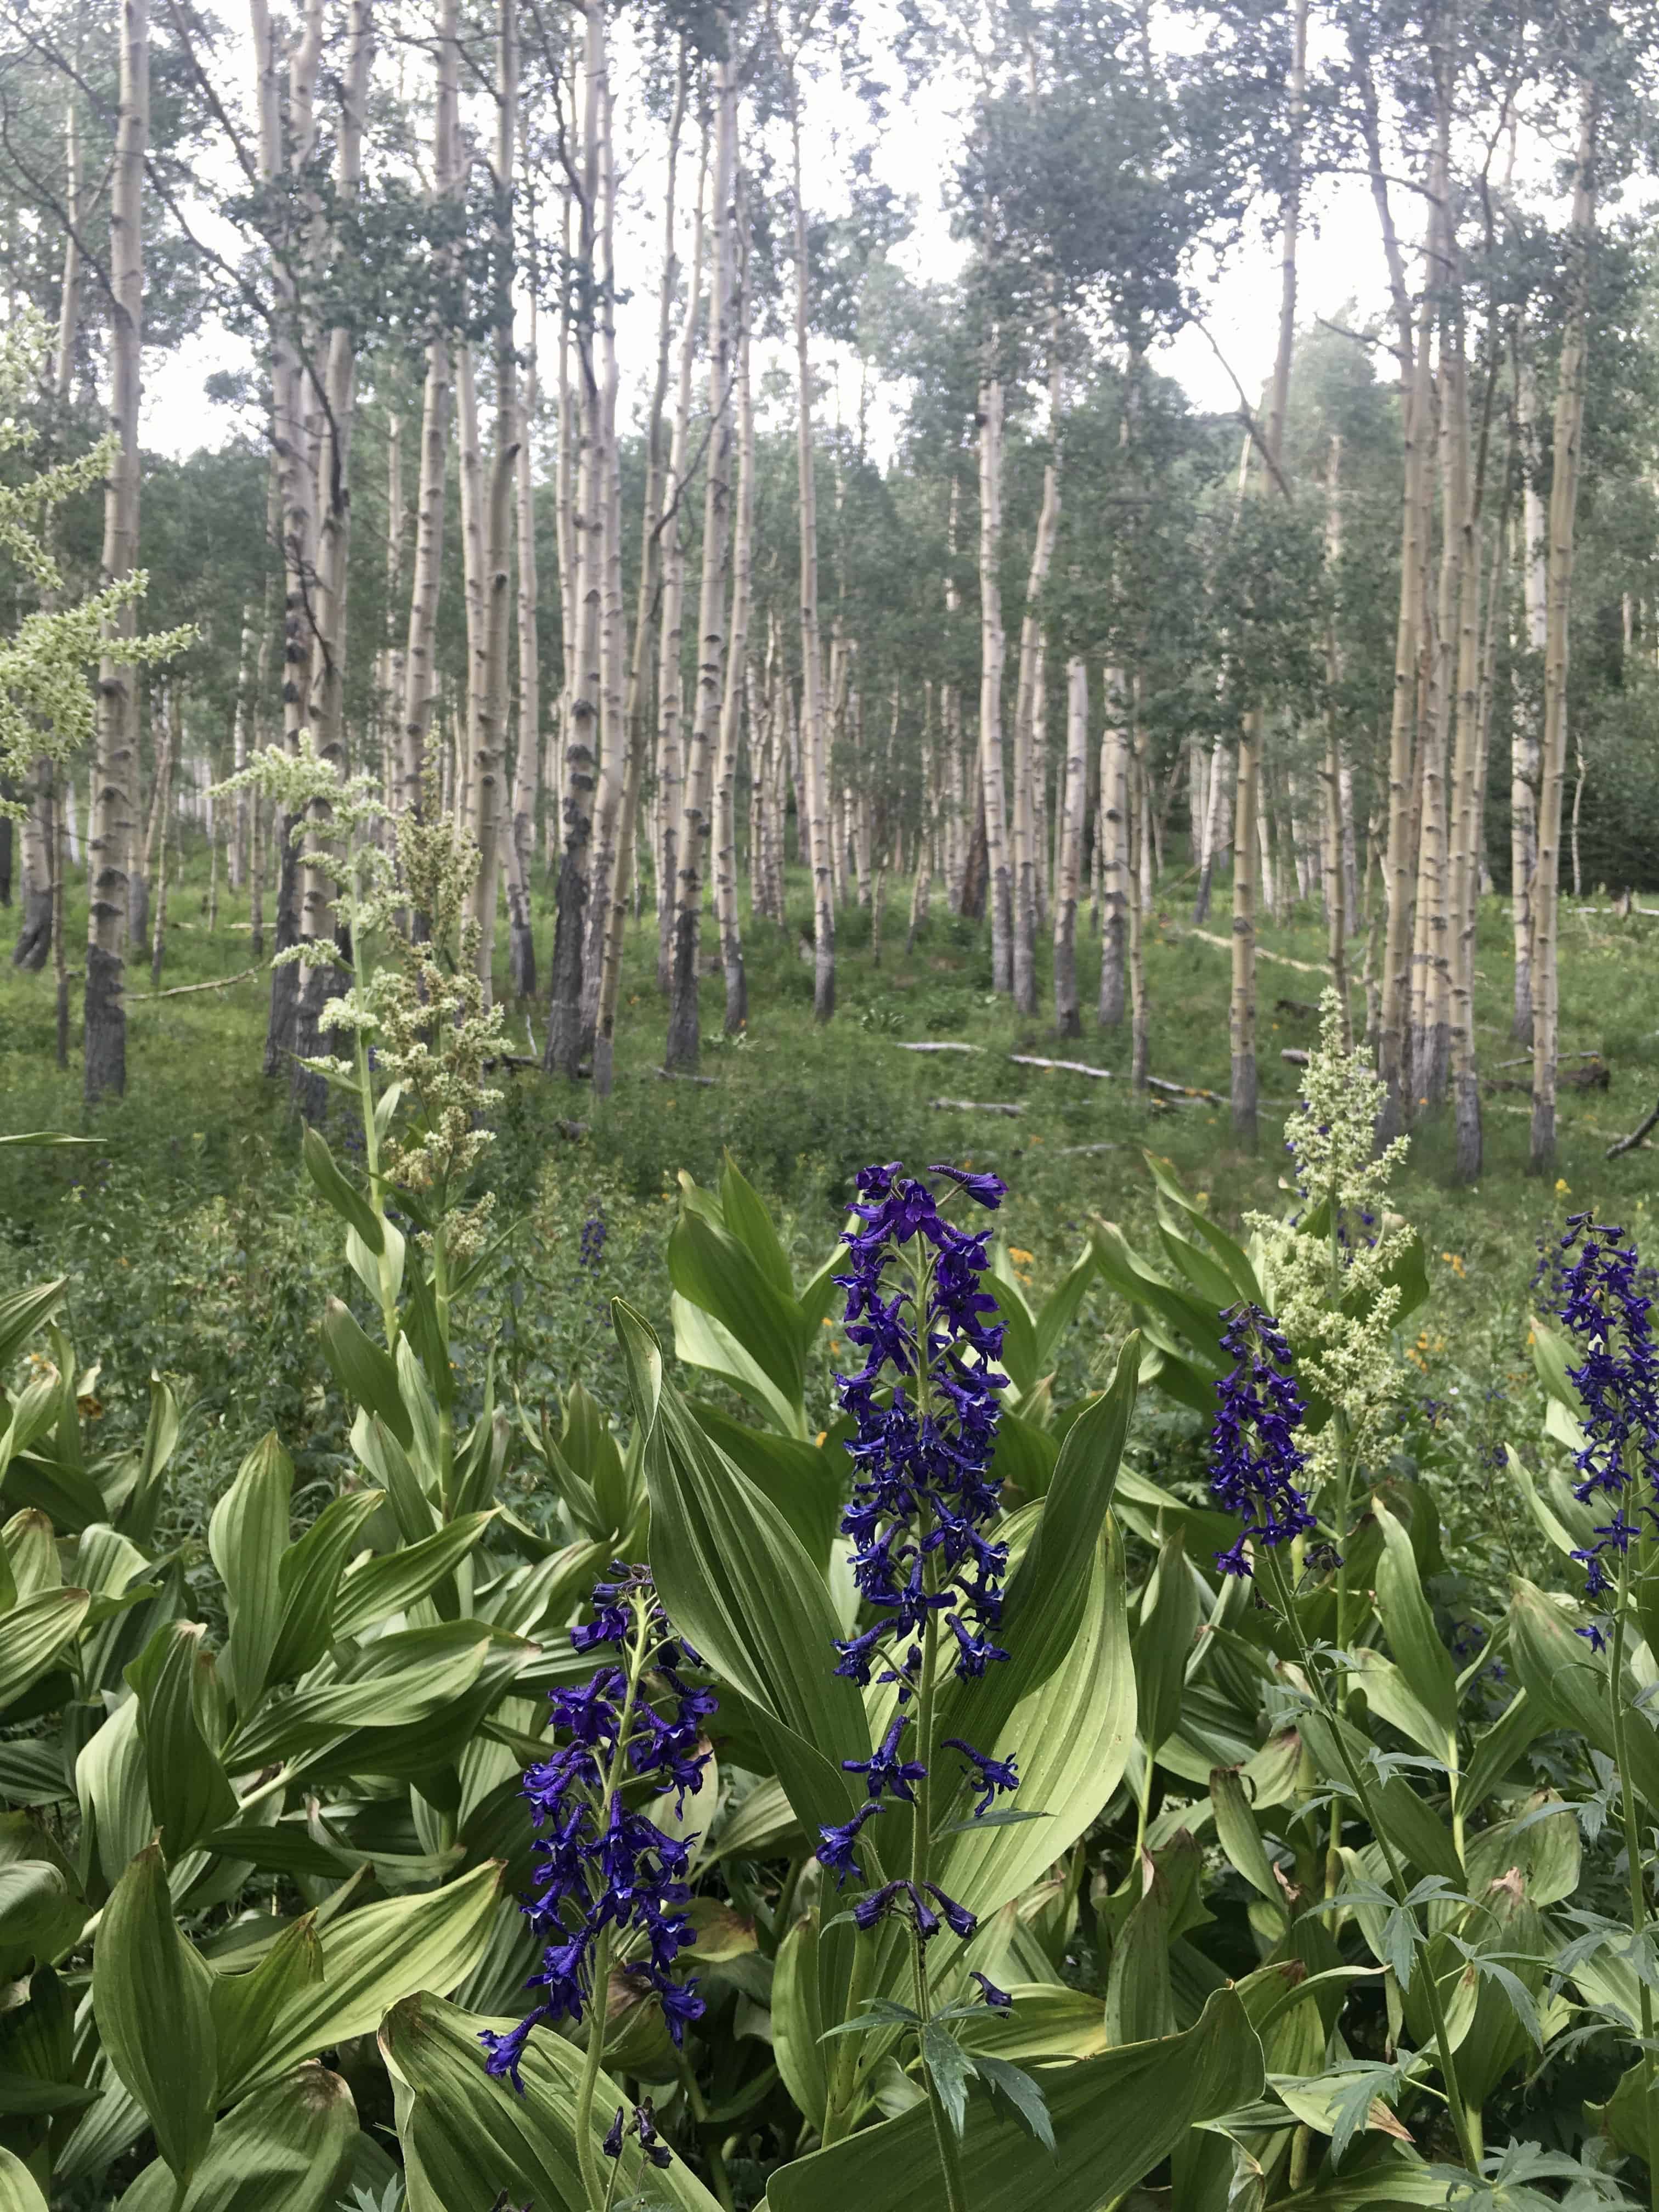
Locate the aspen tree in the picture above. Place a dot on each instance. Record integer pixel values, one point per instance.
(526, 769)
(488, 802)
(921, 889)
(671, 699)
(683, 1038)
(608, 863)
(1336, 910)
(743, 556)
(114, 764)
(950, 711)
(40, 839)
(327, 608)
(389, 674)
(564, 511)
(1566, 457)
(1466, 487)
(420, 673)
(1140, 831)
(584, 675)
(814, 738)
(1112, 837)
(1526, 733)
(1074, 807)
(1241, 1000)
(993, 652)
(653, 523)
(1027, 840)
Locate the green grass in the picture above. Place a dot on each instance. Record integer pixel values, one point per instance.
(194, 1246)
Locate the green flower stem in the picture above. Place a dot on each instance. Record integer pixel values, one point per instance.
(698, 2110)
(1638, 1903)
(1466, 2123)
(441, 1383)
(593, 2180)
(389, 1318)
(843, 2092)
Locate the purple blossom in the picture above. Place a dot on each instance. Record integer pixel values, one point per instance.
(1603, 1304)
(603, 1866)
(1253, 1448)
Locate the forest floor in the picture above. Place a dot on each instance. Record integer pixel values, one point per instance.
(193, 1245)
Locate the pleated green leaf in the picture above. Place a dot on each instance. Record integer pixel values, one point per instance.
(151, 1993)
(1569, 1681)
(18, 2190)
(1073, 1737)
(190, 1792)
(370, 1961)
(467, 2138)
(366, 1374)
(247, 1537)
(308, 1579)
(392, 1699)
(284, 2149)
(1408, 1622)
(34, 1633)
(732, 1574)
(1115, 2118)
(392, 1583)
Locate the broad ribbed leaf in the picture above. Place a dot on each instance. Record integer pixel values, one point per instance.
(798, 2023)
(1115, 2118)
(467, 2138)
(1421, 1657)
(189, 1791)
(392, 1582)
(710, 1267)
(734, 1576)
(111, 1783)
(366, 1373)
(150, 1993)
(1563, 1675)
(34, 1632)
(247, 1536)
(1071, 1737)
(1414, 1826)
(286, 2148)
(23, 1312)
(371, 1959)
(345, 1197)
(1164, 1643)
(309, 1579)
(310, 1718)
(18, 2190)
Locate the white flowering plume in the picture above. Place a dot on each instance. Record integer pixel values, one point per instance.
(47, 705)
(416, 1007)
(1330, 1292)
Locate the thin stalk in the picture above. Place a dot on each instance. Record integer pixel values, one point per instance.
(1462, 2120)
(598, 2195)
(1638, 1903)
(698, 2110)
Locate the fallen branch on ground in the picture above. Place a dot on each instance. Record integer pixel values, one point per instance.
(178, 990)
(671, 1075)
(1284, 959)
(1069, 1066)
(944, 1046)
(1636, 1137)
(977, 1106)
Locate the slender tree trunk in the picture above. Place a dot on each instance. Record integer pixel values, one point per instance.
(1028, 767)
(491, 604)
(326, 705)
(115, 763)
(1139, 827)
(419, 692)
(1392, 1031)
(1526, 720)
(1431, 992)
(993, 649)
(609, 862)
(671, 700)
(814, 737)
(683, 1039)
(1241, 1004)
(34, 933)
(743, 556)
(584, 671)
(1336, 910)
(1074, 801)
(1563, 500)
(1467, 841)
(160, 812)
(295, 468)
(522, 941)
(1112, 832)
(653, 526)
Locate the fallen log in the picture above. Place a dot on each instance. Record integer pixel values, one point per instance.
(180, 990)
(1638, 1136)
(1066, 1066)
(1009, 1106)
(945, 1046)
